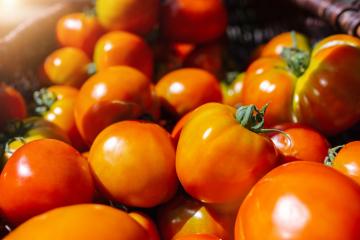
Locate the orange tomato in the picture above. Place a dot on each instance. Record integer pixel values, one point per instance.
(134, 163)
(84, 221)
(185, 89)
(232, 91)
(175, 133)
(147, 223)
(123, 48)
(198, 237)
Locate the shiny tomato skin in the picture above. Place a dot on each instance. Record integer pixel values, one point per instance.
(232, 93)
(298, 200)
(217, 159)
(175, 133)
(126, 150)
(147, 223)
(43, 175)
(185, 89)
(83, 221)
(123, 48)
(67, 66)
(193, 21)
(198, 237)
(79, 30)
(109, 96)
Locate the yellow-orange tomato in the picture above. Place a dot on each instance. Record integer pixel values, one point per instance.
(84, 221)
(175, 133)
(134, 16)
(123, 48)
(79, 30)
(185, 89)
(109, 96)
(147, 223)
(198, 237)
(232, 92)
(67, 66)
(134, 163)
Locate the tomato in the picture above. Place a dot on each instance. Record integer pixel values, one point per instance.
(198, 237)
(56, 104)
(79, 30)
(185, 89)
(301, 200)
(84, 221)
(67, 66)
(219, 156)
(109, 96)
(123, 48)
(232, 91)
(43, 175)
(193, 21)
(12, 105)
(135, 16)
(301, 143)
(134, 163)
(347, 161)
(175, 133)
(147, 223)
(300, 88)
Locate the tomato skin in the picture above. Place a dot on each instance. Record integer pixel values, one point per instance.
(212, 134)
(232, 93)
(83, 221)
(147, 223)
(79, 30)
(198, 237)
(32, 182)
(123, 48)
(109, 96)
(185, 89)
(193, 21)
(175, 133)
(124, 15)
(297, 201)
(134, 163)
(12, 105)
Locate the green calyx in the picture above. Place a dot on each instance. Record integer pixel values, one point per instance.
(251, 118)
(44, 99)
(91, 69)
(332, 153)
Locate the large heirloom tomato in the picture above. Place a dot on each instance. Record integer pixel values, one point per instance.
(109, 96)
(314, 90)
(219, 154)
(134, 163)
(42, 175)
(84, 221)
(301, 200)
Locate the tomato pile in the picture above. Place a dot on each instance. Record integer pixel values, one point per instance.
(147, 130)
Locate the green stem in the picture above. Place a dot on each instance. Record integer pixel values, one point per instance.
(44, 99)
(7, 149)
(91, 69)
(332, 153)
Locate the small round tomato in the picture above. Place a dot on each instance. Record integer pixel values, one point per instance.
(193, 21)
(67, 66)
(185, 89)
(79, 30)
(301, 200)
(123, 48)
(109, 96)
(301, 143)
(134, 163)
(347, 161)
(147, 223)
(83, 221)
(12, 105)
(232, 90)
(42, 175)
(198, 237)
(220, 145)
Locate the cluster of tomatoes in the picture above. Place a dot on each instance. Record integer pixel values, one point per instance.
(142, 133)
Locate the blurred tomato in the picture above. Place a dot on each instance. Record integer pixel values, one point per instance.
(232, 90)
(175, 133)
(198, 237)
(147, 223)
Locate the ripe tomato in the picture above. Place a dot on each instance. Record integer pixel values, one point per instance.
(232, 91)
(198, 237)
(147, 223)
(301, 143)
(193, 21)
(123, 48)
(83, 221)
(219, 156)
(185, 89)
(134, 163)
(56, 104)
(67, 66)
(43, 175)
(109, 96)
(175, 133)
(79, 30)
(297, 201)
(347, 161)
(134, 16)
(12, 105)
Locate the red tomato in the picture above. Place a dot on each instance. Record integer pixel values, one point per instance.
(301, 200)
(83, 221)
(147, 223)
(198, 237)
(134, 163)
(193, 21)
(123, 48)
(185, 89)
(79, 30)
(43, 175)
